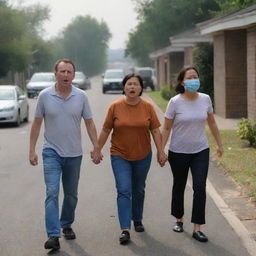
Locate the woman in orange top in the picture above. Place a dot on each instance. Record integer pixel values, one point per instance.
(132, 119)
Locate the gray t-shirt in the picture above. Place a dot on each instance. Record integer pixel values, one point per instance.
(188, 132)
(62, 120)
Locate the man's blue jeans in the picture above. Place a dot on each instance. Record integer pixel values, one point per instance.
(130, 177)
(56, 167)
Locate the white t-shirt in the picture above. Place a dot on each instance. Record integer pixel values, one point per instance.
(188, 131)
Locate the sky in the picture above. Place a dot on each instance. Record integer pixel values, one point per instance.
(118, 14)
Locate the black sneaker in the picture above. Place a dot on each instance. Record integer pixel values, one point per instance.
(52, 243)
(69, 234)
(138, 226)
(178, 227)
(124, 237)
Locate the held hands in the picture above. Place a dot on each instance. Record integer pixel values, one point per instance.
(161, 158)
(96, 155)
(33, 158)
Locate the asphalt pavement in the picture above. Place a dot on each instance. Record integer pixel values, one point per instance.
(22, 195)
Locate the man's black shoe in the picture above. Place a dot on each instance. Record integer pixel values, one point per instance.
(200, 236)
(52, 243)
(124, 237)
(178, 227)
(138, 226)
(69, 234)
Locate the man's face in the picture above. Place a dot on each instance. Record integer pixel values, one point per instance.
(64, 74)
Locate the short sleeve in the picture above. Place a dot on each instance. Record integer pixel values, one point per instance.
(209, 107)
(40, 110)
(170, 110)
(109, 118)
(154, 122)
(87, 113)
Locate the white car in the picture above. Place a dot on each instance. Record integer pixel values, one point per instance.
(112, 80)
(14, 106)
(40, 81)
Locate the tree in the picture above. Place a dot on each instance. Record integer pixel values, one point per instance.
(19, 30)
(85, 41)
(160, 19)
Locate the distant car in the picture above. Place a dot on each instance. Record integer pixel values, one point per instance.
(112, 80)
(40, 81)
(14, 106)
(81, 81)
(148, 76)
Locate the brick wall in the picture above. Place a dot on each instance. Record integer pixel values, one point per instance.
(236, 73)
(251, 74)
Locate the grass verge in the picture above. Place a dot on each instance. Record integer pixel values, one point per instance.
(239, 160)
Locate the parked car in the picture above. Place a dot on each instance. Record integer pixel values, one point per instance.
(112, 80)
(81, 81)
(40, 81)
(148, 76)
(14, 106)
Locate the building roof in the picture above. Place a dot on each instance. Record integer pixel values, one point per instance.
(163, 51)
(235, 20)
(189, 37)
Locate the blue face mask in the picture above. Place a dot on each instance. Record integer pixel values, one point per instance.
(192, 85)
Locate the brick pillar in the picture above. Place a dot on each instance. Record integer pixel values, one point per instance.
(188, 56)
(176, 64)
(251, 72)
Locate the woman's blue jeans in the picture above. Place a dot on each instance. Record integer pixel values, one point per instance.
(130, 177)
(55, 168)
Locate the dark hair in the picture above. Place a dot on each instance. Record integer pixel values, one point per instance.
(65, 61)
(129, 76)
(179, 87)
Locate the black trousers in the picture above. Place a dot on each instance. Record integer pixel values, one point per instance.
(180, 164)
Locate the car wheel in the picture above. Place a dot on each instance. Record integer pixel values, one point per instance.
(27, 116)
(103, 91)
(17, 123)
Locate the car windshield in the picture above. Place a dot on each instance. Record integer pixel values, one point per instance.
(114, 74)
(43, 78)
(145, 73)
(7, 94)
(79, 75)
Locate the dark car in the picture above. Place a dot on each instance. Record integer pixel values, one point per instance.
(148, 76)
(40, 81)
(81, 81)
(112, 80)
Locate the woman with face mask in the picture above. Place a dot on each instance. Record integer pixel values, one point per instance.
(185, 116)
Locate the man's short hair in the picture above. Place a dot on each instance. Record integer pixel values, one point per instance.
(65, 61)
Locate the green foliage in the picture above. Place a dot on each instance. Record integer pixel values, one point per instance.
(18, 30)
(203, 61)
(228, 6)
(168, 93)
(247, 131)
(160, 19)
(85, 40)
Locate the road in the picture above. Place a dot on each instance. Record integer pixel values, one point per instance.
(22, 194)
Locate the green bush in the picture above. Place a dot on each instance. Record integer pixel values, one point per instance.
(247, 131)
(168, 93)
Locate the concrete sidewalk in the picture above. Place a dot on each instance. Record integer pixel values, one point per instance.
(227, 123)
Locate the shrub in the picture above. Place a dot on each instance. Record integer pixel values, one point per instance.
(247, 131)
(168, 93)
